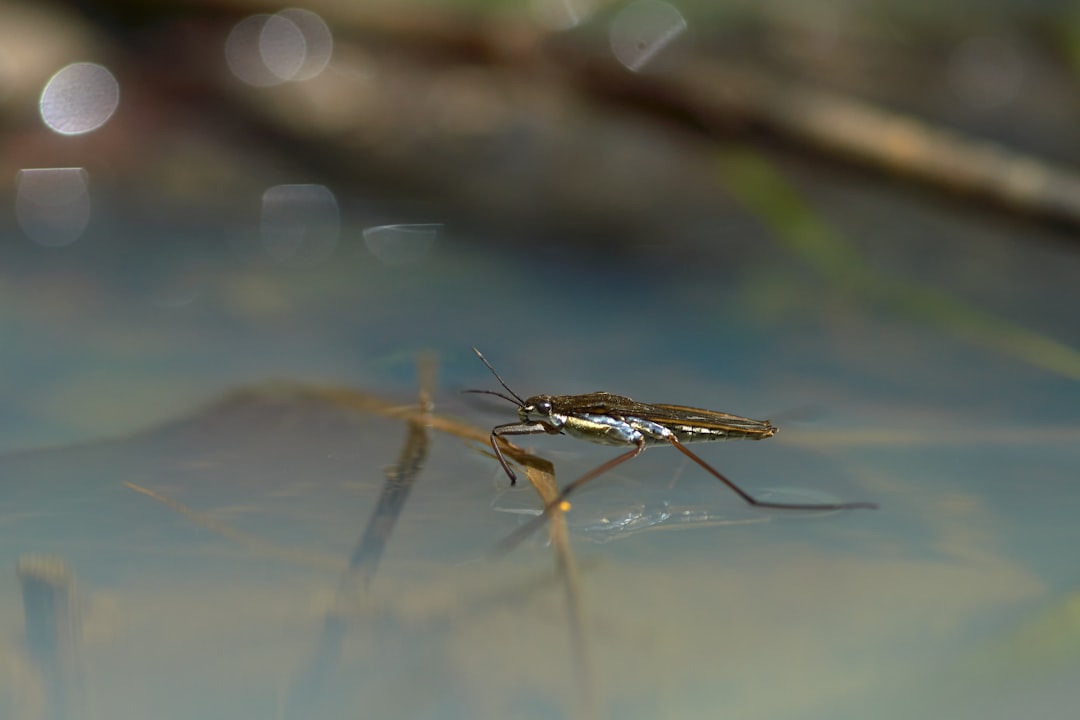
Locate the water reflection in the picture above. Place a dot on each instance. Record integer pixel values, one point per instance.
(235, 595)
(616, 513)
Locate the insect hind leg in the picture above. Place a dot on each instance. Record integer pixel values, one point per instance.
(751, 500)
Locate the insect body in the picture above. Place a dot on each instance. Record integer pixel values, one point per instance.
(609, 419)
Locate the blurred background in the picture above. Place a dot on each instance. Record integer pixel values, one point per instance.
(230, 231)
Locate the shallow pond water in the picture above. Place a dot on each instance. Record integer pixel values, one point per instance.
(175, 434)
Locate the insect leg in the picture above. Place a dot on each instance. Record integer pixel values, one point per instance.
(514, 539)
(513, 429)
(763, 503)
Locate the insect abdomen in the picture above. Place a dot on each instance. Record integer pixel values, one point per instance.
(698, 433)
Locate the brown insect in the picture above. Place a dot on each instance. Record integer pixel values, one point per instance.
(608, 419)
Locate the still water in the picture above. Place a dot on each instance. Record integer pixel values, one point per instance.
(196, 436)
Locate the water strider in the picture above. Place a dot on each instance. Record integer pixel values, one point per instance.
(608, 419)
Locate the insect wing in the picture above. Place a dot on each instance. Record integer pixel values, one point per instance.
(707, 420)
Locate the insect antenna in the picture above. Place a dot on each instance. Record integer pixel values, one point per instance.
(496, 394)
(517, 399)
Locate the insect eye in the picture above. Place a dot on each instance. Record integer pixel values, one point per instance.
(543, 407)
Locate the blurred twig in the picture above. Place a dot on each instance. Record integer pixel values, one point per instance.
(724, 97)
(706, 95)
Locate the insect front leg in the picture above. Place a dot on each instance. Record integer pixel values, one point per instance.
(513, 429)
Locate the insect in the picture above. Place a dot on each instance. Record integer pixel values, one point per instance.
(608, 419)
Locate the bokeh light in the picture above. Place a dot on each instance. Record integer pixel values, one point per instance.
(282, 47)
(52, 205)
(642, 29)
(242, 53)
(289, 46)
(300, 224)
(318, 42)
(79, 98)
(561, 14)
(401, 244)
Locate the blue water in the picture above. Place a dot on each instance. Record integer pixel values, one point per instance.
(693, 605)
